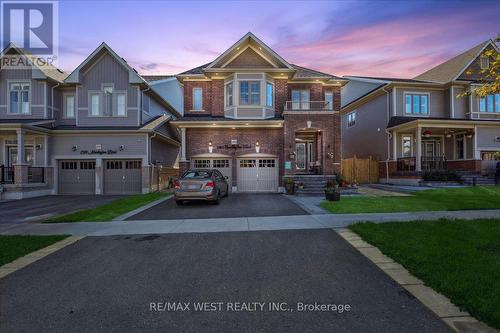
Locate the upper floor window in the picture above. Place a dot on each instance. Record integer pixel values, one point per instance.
(300, 99)
(197, 99)
(69, 106)
(95, 104)
(249, 92)
(329, 100)
(229, 94)
(108, 100)
(120, 105)
(484, 62)
(269, 94)
(417, 104)
(351, 119)
(19, 98)
(489, 103)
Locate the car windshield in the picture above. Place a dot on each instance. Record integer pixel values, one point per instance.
(196, 175)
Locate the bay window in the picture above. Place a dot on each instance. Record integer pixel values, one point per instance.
(489, 103)
(19, 96)
(417, 104)
(229, 94)
(249, 92)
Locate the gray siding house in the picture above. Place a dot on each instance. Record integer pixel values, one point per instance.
(99, 130)
(424, 123)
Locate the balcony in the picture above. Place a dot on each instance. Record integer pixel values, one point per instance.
(308, 106)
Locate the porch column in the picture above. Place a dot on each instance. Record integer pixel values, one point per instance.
(418, 156)
(476, 153)
(183, 144)
(20, 168)
(394, 145)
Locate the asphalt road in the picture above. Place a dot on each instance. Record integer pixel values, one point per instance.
(104, 284)
(236, 205)
(41, 208)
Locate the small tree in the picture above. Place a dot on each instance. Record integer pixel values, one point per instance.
(490, 77)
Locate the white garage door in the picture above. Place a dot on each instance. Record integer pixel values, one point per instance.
(258, 175)
(221, 164)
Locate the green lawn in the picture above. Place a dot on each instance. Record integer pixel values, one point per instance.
(110, 210)
(460, 259)
(13, 247)
(480, 197)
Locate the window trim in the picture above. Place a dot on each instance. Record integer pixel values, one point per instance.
(420, 93)
(65, 106)
(272, 94)
(21, 82)
(125, 105)
(193, 99)
(412, 150)
(90, 104)
(494, 111)
(349, 125)
(250, 92)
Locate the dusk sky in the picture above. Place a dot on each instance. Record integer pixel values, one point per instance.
(377, 38)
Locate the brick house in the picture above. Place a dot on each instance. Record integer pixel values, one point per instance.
(258, 118)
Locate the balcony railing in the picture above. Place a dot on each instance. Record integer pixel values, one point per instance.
(6, 175)
(406, 163)
(433, 163)
(36, 175)
(308, 106)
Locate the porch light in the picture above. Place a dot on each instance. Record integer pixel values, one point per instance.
(448, 134)
(309, 123)
(257, 147)
(38, 147)
(74, 148)
(210, 147)
(427, 134)
(469, 134)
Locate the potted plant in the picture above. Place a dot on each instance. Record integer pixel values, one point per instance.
(332, 192)
(300, 186)
(289, 185)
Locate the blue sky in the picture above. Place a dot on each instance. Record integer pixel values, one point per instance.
(391, 38)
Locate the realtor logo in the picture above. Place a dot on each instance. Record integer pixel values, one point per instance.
(31, 25)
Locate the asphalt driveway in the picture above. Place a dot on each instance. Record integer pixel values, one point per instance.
(236, 205)
(122, 283)
(41, 208)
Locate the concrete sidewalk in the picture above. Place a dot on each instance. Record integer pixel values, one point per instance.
(320, 221)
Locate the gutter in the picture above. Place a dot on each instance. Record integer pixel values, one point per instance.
(389, 137)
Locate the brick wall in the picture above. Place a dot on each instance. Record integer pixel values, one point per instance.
(217, 97)
(207, 97)
(280, 96)
(270, 140)
(465, 165)
(328, 137)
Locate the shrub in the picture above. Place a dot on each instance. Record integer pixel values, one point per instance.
(441, 176)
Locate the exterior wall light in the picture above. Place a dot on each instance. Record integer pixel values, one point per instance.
(210, 147)
(257, 147)
(309, 123)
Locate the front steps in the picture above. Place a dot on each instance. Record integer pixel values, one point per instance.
(468, 179)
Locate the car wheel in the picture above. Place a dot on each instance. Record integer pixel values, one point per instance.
(217, 198)
(179, 202)
(227, 193)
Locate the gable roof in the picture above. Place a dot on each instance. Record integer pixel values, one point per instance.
(451, 69)
(48, 70)
(134, 77)
(307, 73)
(245, 42)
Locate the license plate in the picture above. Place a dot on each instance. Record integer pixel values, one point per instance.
(193, 187)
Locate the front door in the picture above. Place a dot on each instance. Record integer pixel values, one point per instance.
(12, 155)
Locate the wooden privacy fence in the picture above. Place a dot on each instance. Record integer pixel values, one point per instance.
(360, 170)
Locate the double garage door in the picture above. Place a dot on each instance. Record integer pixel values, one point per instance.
(119, 177)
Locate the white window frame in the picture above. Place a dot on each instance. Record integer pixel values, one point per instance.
(496, 107)
(268, 83)
(303, 104)
(419, 93)
(484, 58)
(351, 119)
(194, 99)
(118, 95)
(98, 94)
(227, 95)
(65, 106)
(20, 103)
(411, 145)
(249, 92)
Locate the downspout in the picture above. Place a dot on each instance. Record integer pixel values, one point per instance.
(389, 136)
(149, 159)
(142, 103)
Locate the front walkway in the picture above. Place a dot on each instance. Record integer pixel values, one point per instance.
(319, 221)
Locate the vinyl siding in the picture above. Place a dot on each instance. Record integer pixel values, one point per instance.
(438, 106)
(164, 153)
(486, 138)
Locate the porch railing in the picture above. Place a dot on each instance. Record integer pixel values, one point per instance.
(6, 175)
(433, 163)
(406, 163)
(36, 174)
(308, 106)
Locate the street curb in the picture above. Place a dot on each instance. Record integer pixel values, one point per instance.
(125, 216)
(459, 321)
(30, 258)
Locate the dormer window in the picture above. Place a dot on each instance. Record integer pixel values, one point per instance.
(19, 98)
(484, 62)
(249, 92)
